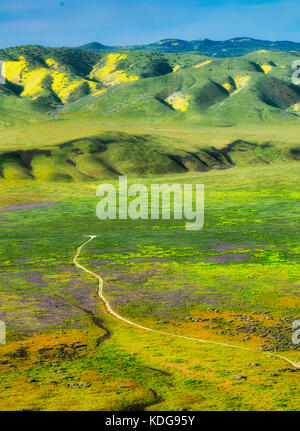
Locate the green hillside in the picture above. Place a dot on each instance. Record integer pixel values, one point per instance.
(150, 85)
(161, 103)
(201, 90)
(111, 154)
(49, 77)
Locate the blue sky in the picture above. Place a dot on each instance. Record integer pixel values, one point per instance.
(122, 22)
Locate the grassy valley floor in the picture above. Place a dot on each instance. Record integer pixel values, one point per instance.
(235, 281)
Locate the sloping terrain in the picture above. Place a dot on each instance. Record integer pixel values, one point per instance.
(113, 153)
(47, 76)
(60, 90)
(228, 48)
(16, 110)
(149, 86)
(254, 88)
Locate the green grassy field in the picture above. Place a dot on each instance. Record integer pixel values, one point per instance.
(234, 281)
(72, 119)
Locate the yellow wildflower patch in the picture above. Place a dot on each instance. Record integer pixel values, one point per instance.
(108, 75)
(33, 82)
(266, 68)
(177, 67)
(100, 92)
(204, 63)
(65, 93)
(241, 81)
(12, 70)
(63, 86)
(93, 85)
(52, 63)
(178, 101)
(114, 58)
(19, 72)
(226, 86)
(120, 76)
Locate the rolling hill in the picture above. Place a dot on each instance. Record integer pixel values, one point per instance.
(151, 85)
(60, 89)
(195, 89)
(229, 48)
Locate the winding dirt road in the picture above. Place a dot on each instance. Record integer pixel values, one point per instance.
(117, 316)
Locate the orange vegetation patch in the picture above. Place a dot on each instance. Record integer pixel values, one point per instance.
(288, 301)
(40, 341)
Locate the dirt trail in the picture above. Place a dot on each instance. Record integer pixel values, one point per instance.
(117, 316)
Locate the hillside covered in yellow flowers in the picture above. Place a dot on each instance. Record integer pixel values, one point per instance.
(148, 86)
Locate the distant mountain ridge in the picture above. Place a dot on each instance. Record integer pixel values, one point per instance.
(229, 48)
